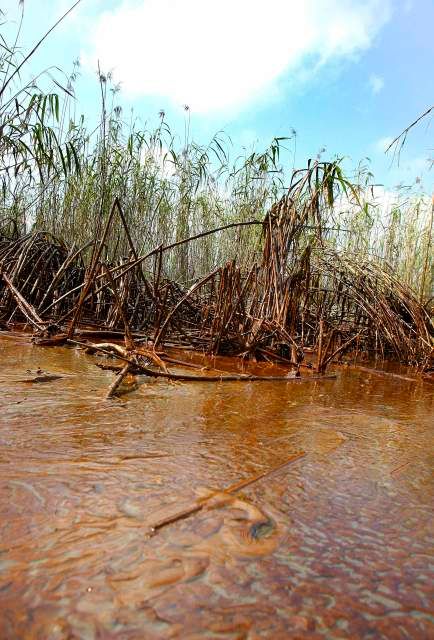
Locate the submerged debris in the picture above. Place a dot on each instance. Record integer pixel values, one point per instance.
(42, 378)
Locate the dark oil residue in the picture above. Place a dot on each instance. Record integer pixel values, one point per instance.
(335, 546)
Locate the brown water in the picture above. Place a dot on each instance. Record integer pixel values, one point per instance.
(337, 545)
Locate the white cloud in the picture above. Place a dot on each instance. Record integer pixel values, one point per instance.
(383, 143)
(381, 197)
(221, 55)
(376, 83)
(415, 167)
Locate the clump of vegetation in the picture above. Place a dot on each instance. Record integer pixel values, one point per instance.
(320, 264)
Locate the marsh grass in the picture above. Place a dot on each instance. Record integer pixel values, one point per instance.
(325, 247)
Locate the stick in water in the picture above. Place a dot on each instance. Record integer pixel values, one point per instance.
(117, 381)
(233, 488)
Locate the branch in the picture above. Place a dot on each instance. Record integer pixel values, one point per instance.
(404, 133)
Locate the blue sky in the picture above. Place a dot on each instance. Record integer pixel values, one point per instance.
(346, 75)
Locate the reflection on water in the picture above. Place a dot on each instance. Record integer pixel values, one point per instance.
(335, 546)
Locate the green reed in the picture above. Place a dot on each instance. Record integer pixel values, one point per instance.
(59, 175)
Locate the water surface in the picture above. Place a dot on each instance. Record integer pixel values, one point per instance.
(336, 545)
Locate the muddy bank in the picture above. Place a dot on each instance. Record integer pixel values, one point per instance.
(334, 546)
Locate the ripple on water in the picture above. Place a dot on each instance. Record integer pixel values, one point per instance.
(335, 546)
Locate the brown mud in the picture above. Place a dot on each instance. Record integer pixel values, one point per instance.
(336, 545)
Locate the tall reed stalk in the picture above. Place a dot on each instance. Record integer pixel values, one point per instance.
(59, 176)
